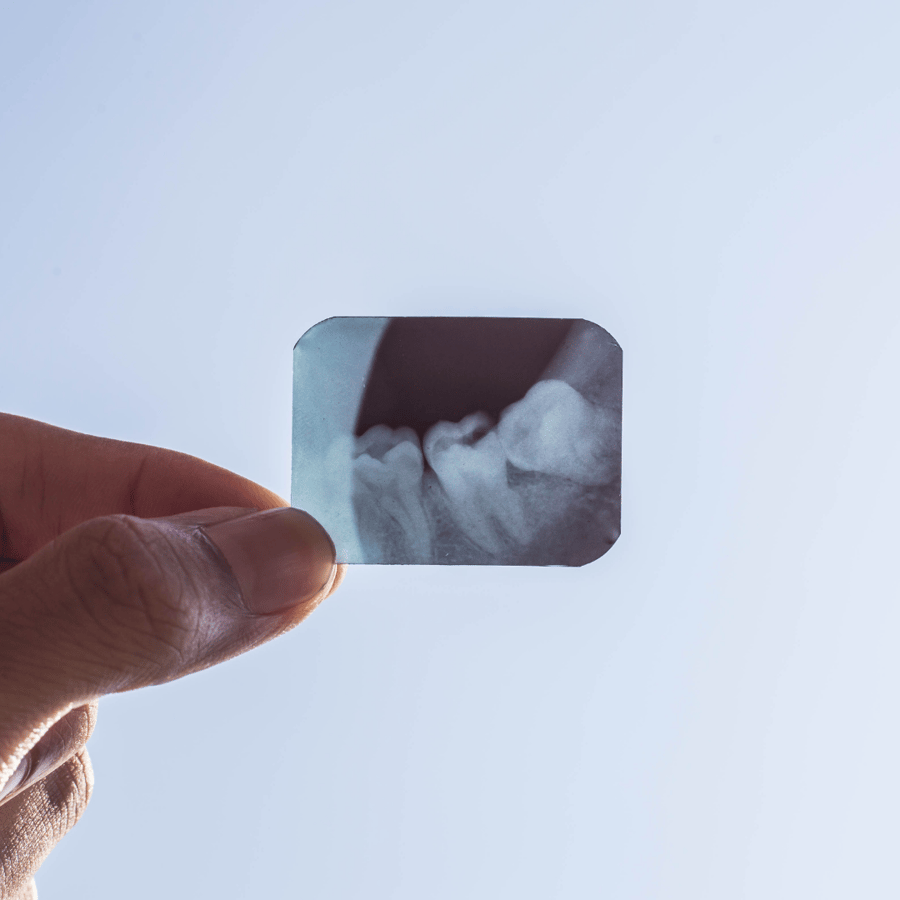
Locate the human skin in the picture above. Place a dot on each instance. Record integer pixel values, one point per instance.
(122, 566)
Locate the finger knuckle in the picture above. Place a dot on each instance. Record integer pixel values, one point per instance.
(124, 579)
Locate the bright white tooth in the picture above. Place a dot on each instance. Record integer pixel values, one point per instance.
(473, 477)
(554, 430)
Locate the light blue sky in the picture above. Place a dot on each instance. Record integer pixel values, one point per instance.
(710, 710)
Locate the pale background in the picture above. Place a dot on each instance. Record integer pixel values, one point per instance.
(709, 711)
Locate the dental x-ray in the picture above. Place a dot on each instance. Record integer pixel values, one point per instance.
(460, 441)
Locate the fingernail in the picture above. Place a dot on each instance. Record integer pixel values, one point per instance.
(18, 777)
(61, 742)
(280, 558)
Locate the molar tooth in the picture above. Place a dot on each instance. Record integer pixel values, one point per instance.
(389, 487)
(473, 476)
(554, 430)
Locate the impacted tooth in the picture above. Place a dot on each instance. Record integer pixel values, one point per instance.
(554, 430)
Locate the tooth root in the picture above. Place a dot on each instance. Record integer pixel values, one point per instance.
(467, 496)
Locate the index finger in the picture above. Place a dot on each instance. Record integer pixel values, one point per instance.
(52, 479)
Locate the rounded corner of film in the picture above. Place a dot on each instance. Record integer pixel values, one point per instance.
(460, 441)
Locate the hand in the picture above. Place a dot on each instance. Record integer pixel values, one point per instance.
(110, 579)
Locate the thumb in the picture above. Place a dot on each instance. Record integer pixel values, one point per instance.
(120, 602)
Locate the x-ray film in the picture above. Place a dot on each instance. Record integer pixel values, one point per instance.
(460, 441)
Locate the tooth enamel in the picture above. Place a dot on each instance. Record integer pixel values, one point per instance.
(380, 440)
(446, 434)
(554, 430)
